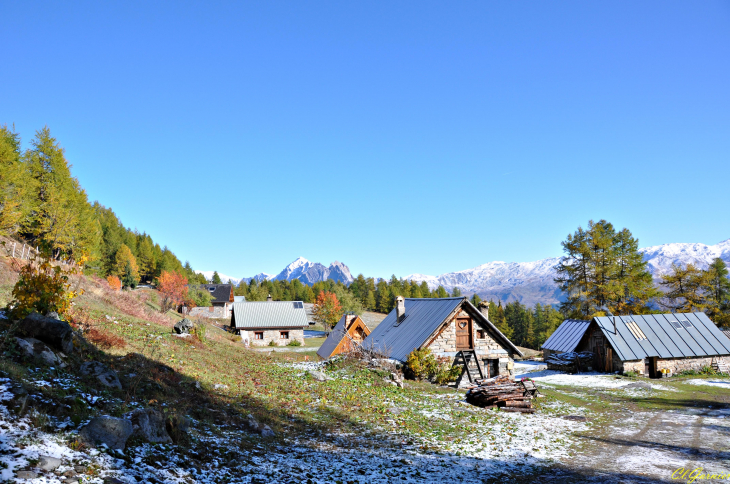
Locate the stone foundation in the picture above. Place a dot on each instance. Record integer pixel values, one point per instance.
(675, 365)
(270, 335)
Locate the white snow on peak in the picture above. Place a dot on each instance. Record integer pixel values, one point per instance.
(209, 275)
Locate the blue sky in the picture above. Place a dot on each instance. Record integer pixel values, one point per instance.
(397, 137)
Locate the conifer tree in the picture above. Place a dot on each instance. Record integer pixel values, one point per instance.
(719, 292)
(475, 300)
(126, 267)
(216, 278)
(603, 269)
(370, 301)
(15, 185)
(686, 289)
(456, 292)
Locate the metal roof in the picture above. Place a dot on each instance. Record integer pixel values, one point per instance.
(674, 335)
(567, 336)
(220, 293)
(337, 334)
(422, 318)
(269, 314)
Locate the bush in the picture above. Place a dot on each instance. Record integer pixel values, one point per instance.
(43, 287)
(199, 330)
(632, 373)
(422, 364)
(272, 343)
(294, 342)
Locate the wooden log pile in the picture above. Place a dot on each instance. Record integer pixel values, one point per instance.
(500, 391)
(570, 362)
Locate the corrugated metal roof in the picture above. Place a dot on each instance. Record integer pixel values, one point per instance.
(423, 317)
(567, 336)
(674, 335)
(269, 314)
(336, 335)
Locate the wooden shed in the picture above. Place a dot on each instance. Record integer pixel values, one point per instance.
(350, 329)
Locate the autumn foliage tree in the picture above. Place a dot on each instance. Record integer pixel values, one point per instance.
(114, 283)
(327, 309)
(126, 267)
(174, 290)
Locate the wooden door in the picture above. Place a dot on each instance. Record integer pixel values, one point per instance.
(463, 334)
(599, 351)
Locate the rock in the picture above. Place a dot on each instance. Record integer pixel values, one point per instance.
(53, 315)
(112, 480)
(48, 463)
(184, 326)
(26, 475)
(111, 431)
(70, 473)
(576, 418)
(319, 375)
(400, 384)
(55, 333)
(220, 386)
(36, 349)
(149, 424)
(266, 431)
(638, 384)
(106, 376)
(263, 429)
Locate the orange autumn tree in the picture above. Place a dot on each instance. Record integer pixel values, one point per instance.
(174, 290)
(327, 309)
(114, 283)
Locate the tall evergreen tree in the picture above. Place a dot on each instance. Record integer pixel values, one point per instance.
(685, 288)
(216, 278)
(16, 186)
(719, 292)
(603, 269)
(475, 300)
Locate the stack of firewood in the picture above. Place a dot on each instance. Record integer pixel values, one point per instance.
(500, 391)
(570, 362)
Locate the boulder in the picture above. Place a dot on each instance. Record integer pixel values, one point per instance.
(36, 349)
(106, 376)
(48, 463)
(149, 424)
(262, 429)
(111, 431)
(319, 375)
(184, 326)
(55, 333)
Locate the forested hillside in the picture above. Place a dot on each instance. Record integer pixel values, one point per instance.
(44, 205)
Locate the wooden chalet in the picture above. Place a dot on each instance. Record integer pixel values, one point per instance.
(350, 330)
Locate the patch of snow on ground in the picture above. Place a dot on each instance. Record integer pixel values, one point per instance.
(590, 379)
(713, 383)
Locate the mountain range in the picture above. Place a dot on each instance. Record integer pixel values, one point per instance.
(307, 272)
(527, 282)
(532, 282)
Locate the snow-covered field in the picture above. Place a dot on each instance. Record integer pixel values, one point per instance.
(713, 383)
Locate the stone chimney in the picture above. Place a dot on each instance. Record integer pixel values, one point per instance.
(484, 308)
(400, 307)
(269, 298)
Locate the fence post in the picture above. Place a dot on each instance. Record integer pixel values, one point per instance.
(14, 244)
(22, 252)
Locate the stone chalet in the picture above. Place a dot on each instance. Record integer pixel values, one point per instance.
(446, 326)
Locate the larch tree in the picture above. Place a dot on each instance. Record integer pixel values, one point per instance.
(15, 184)
(216, 278)
(686, 288)
(603, 269)
(718, 295)
(125, 267)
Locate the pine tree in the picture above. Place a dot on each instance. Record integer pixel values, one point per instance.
(634, 285)
(370, 301)
(129, 280)
(216, 278)
(441, 292)
(456, 292)
(475, 300)
(425, 291)
(497, 317)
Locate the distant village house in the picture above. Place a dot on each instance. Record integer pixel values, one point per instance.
(263, 322)
(221, 304)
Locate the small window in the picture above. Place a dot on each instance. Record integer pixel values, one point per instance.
(283, 334)
(298, 305)
(480, 334)
(258, 335)
(211, 289)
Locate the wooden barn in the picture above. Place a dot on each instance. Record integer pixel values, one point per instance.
(645, 344)
(350, 330)
(449, 327)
